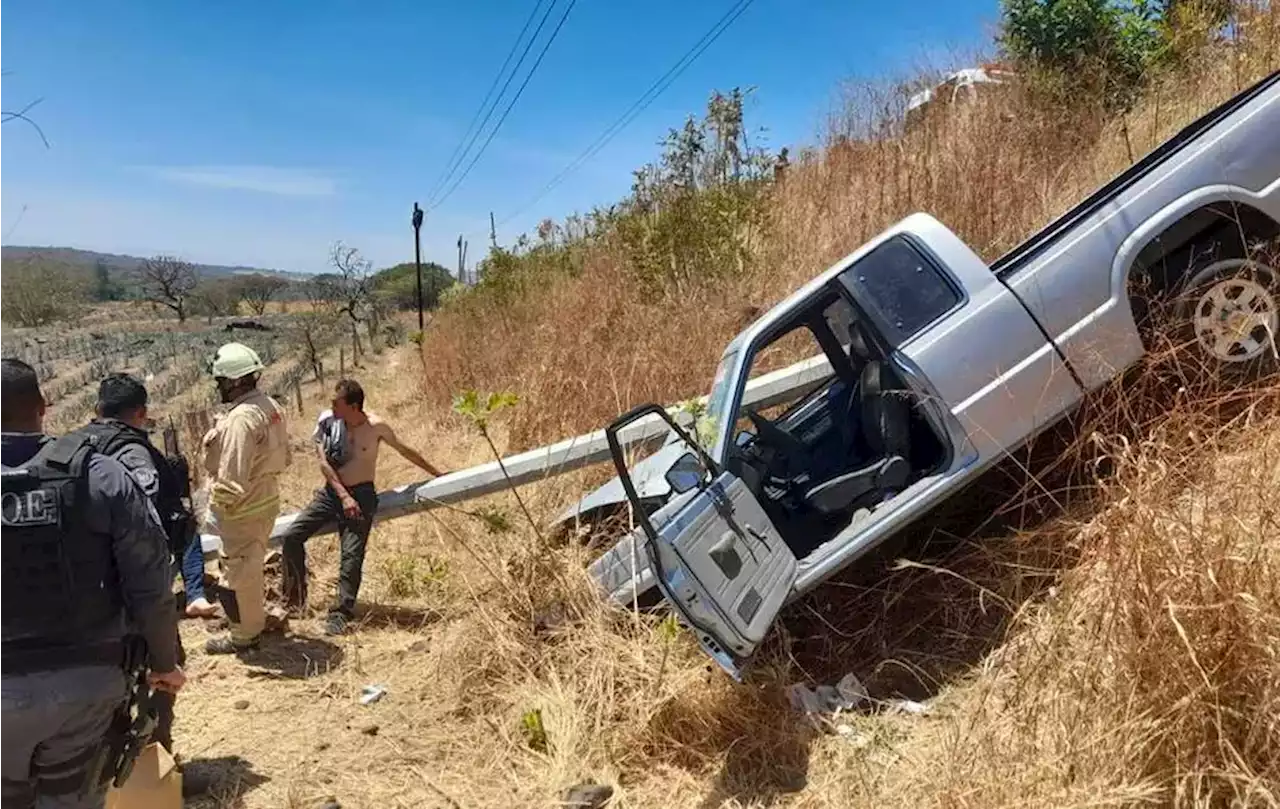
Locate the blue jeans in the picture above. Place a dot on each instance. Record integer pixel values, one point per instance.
(193, 570)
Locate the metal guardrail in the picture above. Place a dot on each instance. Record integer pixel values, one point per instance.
(538, 464)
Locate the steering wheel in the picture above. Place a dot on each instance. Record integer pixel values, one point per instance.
(786, 444)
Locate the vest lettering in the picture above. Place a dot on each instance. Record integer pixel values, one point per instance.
(28, 509)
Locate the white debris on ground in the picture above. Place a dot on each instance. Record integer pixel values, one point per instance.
(371, 694)
(821, 705)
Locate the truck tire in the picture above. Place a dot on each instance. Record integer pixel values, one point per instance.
(1228, 313)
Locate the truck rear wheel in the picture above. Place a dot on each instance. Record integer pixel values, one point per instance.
(1229, 313)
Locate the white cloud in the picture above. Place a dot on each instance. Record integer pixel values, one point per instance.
(261, 179)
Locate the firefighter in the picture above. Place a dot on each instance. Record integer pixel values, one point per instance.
(244, 454)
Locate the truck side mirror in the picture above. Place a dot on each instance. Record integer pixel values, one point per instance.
(685, 474)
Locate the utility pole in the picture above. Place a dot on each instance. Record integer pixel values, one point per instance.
(460, 270)
(465, 245)
(493, 231)
(417, 258)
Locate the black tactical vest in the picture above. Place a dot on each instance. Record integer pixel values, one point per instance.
(60, 584)
(173, 499)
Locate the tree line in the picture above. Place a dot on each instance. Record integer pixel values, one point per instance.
(38, 291)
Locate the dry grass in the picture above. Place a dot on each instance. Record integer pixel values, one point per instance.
(1114, 643)
(1094, 623)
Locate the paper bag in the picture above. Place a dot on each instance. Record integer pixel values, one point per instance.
(155, 783)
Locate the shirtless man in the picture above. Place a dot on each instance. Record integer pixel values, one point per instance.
(349, 498)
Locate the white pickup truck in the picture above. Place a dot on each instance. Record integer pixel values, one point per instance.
(930, 366)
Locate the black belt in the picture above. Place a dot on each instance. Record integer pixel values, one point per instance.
(29, 661)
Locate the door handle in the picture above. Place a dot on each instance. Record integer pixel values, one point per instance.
(725, 555)
(759, 537)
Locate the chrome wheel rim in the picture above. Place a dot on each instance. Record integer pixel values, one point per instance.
(1236, 319)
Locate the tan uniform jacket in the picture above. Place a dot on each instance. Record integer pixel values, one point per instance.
(244, 454)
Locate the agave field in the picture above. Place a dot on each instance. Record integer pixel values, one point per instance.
(172, 359)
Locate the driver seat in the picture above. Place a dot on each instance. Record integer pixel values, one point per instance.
(885, 418)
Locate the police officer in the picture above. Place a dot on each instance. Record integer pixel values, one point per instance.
(244, 454)
(120, 431)
(84, 558)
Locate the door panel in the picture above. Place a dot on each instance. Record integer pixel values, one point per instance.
(719, 560)
(731, 549)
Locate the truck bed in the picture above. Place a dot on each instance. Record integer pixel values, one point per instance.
(1011, 262)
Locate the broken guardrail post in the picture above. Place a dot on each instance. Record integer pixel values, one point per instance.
(765, 391)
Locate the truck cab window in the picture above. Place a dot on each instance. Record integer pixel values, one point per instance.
(787, 349)
(907, 291)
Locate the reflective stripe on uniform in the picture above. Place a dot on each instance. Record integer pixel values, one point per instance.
(249, 509)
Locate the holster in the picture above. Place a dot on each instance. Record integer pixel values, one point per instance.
(131, 726)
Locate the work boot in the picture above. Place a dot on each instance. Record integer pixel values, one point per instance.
(335, 624)
(225, 645)
(277, 620)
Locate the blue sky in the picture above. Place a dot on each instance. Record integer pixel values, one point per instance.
(258, 133)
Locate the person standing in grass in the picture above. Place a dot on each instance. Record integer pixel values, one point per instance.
(347, 440)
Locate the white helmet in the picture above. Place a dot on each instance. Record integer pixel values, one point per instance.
(234, 361)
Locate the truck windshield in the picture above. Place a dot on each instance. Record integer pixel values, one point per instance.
(711, 423)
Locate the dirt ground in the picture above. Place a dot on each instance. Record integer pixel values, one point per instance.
(284, 726)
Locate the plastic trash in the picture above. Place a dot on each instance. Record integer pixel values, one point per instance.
(372, 693)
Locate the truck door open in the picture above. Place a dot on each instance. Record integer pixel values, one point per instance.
(716, 555)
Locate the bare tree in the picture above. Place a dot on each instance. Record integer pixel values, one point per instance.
(219, 297)
(311, 332)
(349, 290)
(258, 291)
(168, 281)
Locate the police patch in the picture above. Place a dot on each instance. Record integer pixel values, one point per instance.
(30, 508)
(147, 478)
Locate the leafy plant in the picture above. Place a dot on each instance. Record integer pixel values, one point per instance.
(535, 732)
(1104, 45)
(494, 519)
(704, 426)
(478, 409)
(407, 575)
(668, 631)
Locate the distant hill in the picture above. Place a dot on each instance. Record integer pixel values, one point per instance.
(119, 266)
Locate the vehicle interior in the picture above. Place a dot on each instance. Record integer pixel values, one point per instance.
(849, 444)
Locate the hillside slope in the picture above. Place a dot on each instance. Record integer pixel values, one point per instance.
(1096, 623)
(120, 265)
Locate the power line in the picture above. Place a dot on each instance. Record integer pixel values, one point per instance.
(467, 140)
(648, 97)
(436, 198)
(519, 92)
